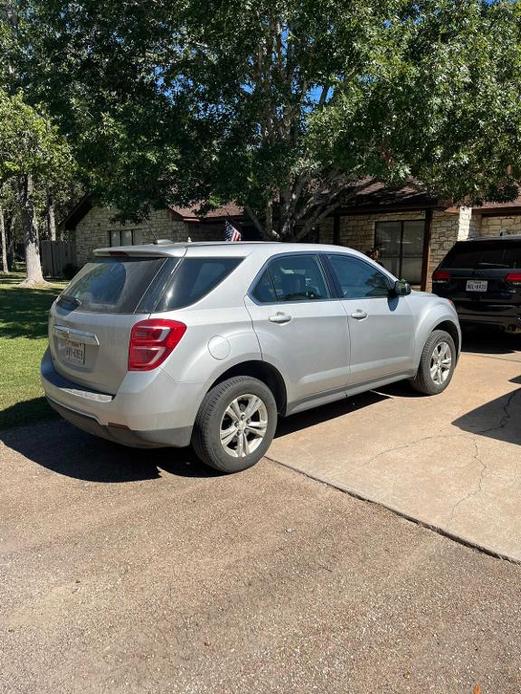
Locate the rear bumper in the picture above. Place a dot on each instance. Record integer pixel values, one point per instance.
(505, 322)
(491, 311)
(120, 434)
(146, 415)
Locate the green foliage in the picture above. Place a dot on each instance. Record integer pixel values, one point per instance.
(277, 104)
(30, 144)
(441, 104)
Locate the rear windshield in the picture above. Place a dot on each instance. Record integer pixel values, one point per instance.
(111, 285)
(192, 279)
(471, 255)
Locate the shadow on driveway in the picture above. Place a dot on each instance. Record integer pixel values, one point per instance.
(489, 341)
(310, 418)
(498, 419)
(58, 446)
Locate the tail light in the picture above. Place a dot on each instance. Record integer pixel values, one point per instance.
(441, 276)
(514, 278)
(151, 341)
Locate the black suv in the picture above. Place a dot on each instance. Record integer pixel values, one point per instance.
(483, 279)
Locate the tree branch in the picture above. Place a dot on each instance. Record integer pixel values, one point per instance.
(313, 221)
(251, 214)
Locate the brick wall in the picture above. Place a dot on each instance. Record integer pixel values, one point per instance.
(446, 230)
(93, 231)
(358, 231)
(494, 226)
(326, 233)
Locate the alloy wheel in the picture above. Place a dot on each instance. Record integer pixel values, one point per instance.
(243, 425)
(441, 363)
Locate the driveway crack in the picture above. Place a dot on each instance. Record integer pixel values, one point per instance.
(479, 487)
(404, 446)
(506, 416)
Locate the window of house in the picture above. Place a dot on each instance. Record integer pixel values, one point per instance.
(357, 279)
(125, 237)
(288, 278)
(401, 248)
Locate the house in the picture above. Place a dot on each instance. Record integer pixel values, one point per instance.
(91, 226)
(412, 230)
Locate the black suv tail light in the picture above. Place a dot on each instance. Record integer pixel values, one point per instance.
(514, 278)
(441, 276)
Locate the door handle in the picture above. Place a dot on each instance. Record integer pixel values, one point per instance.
(280, 318)
(359, 314)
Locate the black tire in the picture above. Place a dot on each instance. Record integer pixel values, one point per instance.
(206, 438)
(424, 382)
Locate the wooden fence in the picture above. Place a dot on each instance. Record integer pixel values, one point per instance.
(55, 255)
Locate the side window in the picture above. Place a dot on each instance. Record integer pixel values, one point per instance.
(194, 278)
(358, 279)
(296, 277)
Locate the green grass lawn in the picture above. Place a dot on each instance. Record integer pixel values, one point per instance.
(23, 339)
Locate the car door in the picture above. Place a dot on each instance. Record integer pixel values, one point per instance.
(381, 326)
(300, 327)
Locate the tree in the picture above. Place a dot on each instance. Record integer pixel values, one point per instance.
(3, 240)
(33, 156)
(443, 108)
(279, 104)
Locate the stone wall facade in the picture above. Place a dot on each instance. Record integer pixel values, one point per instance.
(94, 230)
(356, 230)
(446, 230)
(497, 226)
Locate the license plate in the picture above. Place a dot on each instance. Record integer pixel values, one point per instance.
(74, 352)
(477, 285)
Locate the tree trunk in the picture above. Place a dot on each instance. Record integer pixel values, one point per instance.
(268, 225)
(33, 267)
(5, 266)
(10, 242)
(51, 219)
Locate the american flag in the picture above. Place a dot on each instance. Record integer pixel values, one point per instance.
(231, 233)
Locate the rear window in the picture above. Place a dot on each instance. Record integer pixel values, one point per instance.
(192, 279)
(473, 255)
(111, 285)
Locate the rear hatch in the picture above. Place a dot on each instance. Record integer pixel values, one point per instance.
(90, 322)
(482, 277)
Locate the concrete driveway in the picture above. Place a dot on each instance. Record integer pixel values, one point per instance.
(452, 462)
(130, 572)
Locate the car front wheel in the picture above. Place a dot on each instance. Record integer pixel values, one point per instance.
(235, 424)
(437, 364)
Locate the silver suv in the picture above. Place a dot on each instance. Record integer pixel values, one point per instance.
(208, 343)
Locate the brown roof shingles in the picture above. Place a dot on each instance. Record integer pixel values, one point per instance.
(192, 214)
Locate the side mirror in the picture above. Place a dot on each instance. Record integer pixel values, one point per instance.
(401, 288)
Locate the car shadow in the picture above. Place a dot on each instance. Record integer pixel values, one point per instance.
(497, 419)
(58, 446)
(318, 415)
(61, 448)
(490, 341)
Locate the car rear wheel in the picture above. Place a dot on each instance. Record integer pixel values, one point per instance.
(235, 424)
(436, 365)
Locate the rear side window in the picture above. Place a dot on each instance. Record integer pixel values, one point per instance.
(473, 255)
(192, 279)
(292, 278)
(111, 285)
